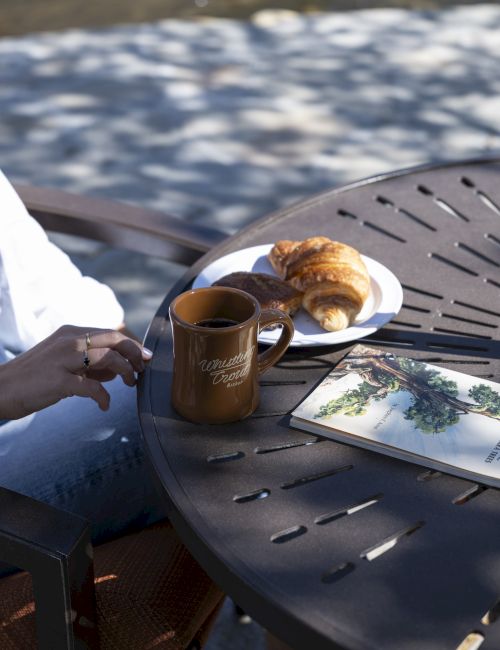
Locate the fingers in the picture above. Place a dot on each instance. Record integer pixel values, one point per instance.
(89, 357)
(100, 375)
(110, 363)
(71, 361)
(131, 350)
(85, 387)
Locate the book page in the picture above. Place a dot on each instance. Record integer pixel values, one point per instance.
(435, 413)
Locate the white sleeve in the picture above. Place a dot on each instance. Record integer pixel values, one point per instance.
(40, 287)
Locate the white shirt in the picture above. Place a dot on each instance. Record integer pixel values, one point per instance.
(40, 287)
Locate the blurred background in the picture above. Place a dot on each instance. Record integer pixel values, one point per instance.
(221, 112)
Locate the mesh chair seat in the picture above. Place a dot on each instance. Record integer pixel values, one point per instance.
(150, 593)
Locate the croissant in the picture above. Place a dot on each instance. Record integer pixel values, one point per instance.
(332, 276)
(271, 292)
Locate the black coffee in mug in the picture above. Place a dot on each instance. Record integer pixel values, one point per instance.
(216, 322)
(217, 364)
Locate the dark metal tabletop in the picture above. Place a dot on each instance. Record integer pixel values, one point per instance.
(284, 521)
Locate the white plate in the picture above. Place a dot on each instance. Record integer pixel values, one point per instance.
(383, 303)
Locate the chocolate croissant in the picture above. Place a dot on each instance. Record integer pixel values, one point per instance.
(270, 291)
(332, 276)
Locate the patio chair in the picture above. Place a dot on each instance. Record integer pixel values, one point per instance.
(142, 590)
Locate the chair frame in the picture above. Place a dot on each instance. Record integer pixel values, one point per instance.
(120, 224)
(51, 544)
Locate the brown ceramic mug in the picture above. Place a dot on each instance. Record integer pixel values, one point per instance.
(216, 361)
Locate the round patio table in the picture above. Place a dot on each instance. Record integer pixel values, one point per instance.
(325, 544)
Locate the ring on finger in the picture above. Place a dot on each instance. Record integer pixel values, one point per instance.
(87, 339)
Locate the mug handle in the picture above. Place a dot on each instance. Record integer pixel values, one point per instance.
(273, 353)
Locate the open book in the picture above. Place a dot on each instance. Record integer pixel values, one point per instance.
(414, 411)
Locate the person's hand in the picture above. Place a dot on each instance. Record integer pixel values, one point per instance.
(71, 361)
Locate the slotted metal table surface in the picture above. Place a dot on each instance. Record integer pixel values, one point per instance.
(284, 521)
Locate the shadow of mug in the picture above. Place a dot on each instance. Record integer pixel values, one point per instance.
(216, 362)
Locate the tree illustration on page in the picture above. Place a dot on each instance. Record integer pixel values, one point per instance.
(435, 405)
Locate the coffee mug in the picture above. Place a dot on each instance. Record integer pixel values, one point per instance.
(216, 360)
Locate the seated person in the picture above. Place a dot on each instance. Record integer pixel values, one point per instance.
(67, 452)
(69, 430)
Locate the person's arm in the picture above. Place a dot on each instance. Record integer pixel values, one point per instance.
(42, 289)
(63, 365)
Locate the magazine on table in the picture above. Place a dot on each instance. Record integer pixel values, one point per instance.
(439, 418)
